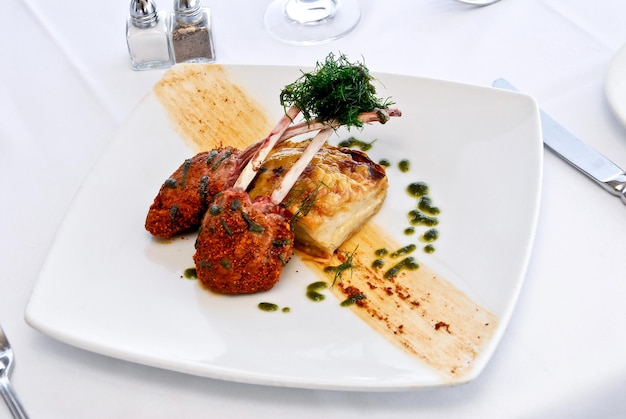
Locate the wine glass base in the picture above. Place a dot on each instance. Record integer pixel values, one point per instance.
(283, 28)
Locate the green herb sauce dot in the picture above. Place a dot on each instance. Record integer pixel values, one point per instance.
(404, 250)
(353, 142)
(215, 210)
(268, 306)
(318, 285)
(425, 204)
(381, 252)
(315, 296)
(352, 300)
(417, 189)
(408, 263)
(404, 166)
(430, 235)
(190, 273)
(378, 263)
(417, 217)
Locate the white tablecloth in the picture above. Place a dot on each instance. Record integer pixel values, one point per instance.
(66, 86)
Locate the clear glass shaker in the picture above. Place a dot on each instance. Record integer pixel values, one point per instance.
(192, 39)
(147, 36)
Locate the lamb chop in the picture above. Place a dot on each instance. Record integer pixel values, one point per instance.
(185, 196)
(243, 245)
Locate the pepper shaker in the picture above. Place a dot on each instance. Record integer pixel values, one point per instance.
(192, 39)
(147, 36)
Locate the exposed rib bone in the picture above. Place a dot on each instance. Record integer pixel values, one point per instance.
(251, 169)
(378, 115)
(298, 167)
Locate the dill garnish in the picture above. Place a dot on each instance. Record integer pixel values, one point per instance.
(345, 265)
(307, 203)
(336, 90)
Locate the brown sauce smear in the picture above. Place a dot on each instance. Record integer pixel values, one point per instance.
(418, 311)
(207, 110)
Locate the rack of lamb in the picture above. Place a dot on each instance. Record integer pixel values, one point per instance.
(252, 206)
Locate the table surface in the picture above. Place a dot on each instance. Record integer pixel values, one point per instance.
(66, 86)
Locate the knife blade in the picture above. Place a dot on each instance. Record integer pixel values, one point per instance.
(577, 153)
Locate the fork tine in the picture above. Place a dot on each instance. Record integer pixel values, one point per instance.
(8, 393)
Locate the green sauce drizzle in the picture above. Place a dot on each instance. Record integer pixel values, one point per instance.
(353, 142)
(404, 250)
(419, 218)
(425, 204)
(352, 300)
(268, 306)
(312, 291)
(378, 263)
(417, 189)
(381, 252)
(430, 235)
(408, 263)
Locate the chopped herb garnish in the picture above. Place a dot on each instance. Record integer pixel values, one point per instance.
(221, 159)
(215, 210)
(225, 227)
(171, 183)
(252, 226)
(204, 184)
(338, 270)
(173, 212)
(186, 166)
(336, 90)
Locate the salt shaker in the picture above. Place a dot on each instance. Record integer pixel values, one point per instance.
(147, 36)
(192, 39)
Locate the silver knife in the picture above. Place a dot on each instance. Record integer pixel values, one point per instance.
(580, 155)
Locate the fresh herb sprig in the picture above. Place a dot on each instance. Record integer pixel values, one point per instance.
(347, 264)
(336, 90)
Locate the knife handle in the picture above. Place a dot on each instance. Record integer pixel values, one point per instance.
(617, 186)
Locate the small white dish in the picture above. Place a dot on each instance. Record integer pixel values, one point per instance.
(108, 287)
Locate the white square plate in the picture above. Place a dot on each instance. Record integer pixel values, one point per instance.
(108, 287)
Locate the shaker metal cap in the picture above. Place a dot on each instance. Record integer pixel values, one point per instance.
(187, 11)
(143, 13)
